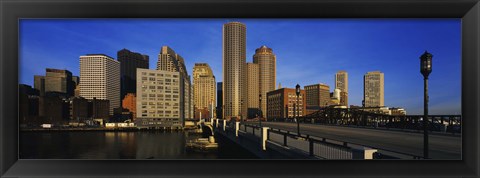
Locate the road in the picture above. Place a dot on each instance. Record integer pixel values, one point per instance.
(441, 146)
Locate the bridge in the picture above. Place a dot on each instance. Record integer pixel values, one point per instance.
(361, 117)
(321, 137)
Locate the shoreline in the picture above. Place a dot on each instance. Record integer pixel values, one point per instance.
(126, 129)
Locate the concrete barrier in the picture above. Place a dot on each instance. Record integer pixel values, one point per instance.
(264, 138)
(237, 127)
(224, 124)
(365, 153)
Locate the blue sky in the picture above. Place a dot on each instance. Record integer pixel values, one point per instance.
(308, 51)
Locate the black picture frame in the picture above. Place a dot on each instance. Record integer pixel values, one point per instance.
(11, 11)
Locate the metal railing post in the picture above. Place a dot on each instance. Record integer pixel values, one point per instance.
(311, 147)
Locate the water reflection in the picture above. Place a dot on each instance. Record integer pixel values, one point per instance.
(119, 145)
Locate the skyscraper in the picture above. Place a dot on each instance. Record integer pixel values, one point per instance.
(169, 60)
(55, 80)
(100, 79)
(220, 100)
(253, 90)
(341, 82)
(129, 62)
(373, 89)
(234, 78)
(266, 61)
(204, 88)
(39, 84)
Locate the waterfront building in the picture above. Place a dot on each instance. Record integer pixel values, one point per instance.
(159, 99)
(100, 79)
(129, 102)
(169, 60)
(282, 103)
(77, 91)
(234, 74)
(129, 62)
(28, 104)
(202, 113)
(373, 89)
(76, 81)
(39, 84)
(99, 108)
(341, 82)
(253, 90)
(79, 109)
(204, 89)
(220, 100)
(266, 60)
(53, 109)
(55, 80)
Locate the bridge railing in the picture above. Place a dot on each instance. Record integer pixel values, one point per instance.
(325, 148)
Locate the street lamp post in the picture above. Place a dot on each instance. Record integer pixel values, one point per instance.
(425, 69)
(259, 110)
(297, 91)
(241, 110)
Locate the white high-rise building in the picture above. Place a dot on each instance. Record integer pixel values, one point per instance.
(169, 60)
(158, 99)
(100, 79)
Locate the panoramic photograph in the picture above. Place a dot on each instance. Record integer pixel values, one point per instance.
(190, 89)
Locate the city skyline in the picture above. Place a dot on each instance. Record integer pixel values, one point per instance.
(403, 85)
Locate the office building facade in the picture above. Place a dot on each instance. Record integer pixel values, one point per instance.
(234, 74)
(341, 82)
(100, 79)
(129, 102)
(318, 95)
(39, 84)
(169, 60)
(282, 103)
(253, 90)
(159, 99)
(373, 89)
(204, 87)
(266, 60)
(129, 62)
(55, 80)
(220, 100)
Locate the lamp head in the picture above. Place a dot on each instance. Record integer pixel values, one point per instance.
(426, 64)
